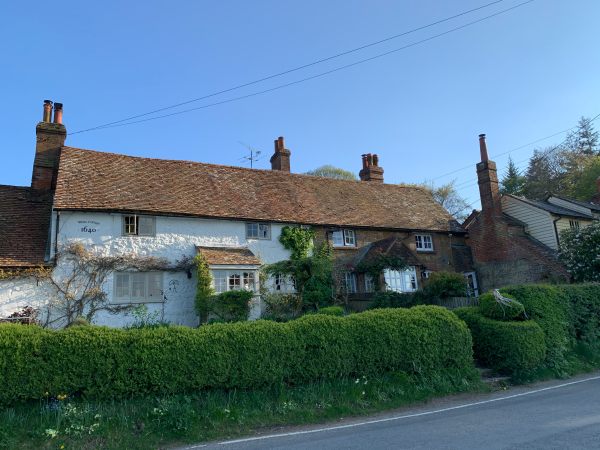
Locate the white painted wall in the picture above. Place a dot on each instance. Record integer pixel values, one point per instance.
(176, 237)
(539, 222)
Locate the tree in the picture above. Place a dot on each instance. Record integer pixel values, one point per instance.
(513, 182)
(329, 171)
(544, 173)
(584, 139)
(447, 195)
(580, 252)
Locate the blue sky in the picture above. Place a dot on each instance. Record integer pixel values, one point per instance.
(518, 77)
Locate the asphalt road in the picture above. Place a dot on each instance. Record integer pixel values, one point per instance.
(553, 415)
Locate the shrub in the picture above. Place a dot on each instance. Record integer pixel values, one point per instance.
(513, 348)
(492, 309)
(281, 307)
(106, 363)
(443, 285)
(331, 311)
(391, 299)
(584, 302)
(548, 306)
(232, 306)
(579, 250)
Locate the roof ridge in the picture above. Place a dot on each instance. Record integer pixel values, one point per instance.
(246, 169)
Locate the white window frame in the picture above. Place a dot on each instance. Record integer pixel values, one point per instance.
(350, 283)
(258, 230)
(224, 280)
(574, 224)
(343, 237)
(282, 284)
(137, 287)
(424, 242)
(401, 280)
(138, 225)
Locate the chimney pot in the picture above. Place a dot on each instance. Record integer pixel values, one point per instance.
(58, 112)
(281, 158)
(483, 148)
(371, 170)
(47, 115)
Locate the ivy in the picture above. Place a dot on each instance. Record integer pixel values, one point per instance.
(378, 264)
(204, 290)
(297, 240)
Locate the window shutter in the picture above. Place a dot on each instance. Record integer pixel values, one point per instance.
(146, 226)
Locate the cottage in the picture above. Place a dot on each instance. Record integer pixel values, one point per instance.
(131, 207)
(514, 240)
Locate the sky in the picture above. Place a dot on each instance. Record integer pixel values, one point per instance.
(519, 76)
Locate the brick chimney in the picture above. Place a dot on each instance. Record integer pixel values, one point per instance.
(370, 169)
(50, 137)
(487, 178)
(281, 158)
(596, 197)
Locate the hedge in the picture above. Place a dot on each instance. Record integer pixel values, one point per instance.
(508, 347)
(101, 362)
(490, 308)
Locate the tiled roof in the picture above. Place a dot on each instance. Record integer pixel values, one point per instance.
(24, 224)
(228, 255)
(546, 206)
(91, 180)
(390, 246)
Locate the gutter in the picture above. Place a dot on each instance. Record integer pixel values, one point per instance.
(556, 232)
(56, 236)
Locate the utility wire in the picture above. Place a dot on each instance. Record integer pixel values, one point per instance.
(295, 69)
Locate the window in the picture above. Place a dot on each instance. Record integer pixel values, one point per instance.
(401, 281)
(369, 283)
(134, 225)
(350, 282)
(426, 274)
(255, 230)
(282, 284)
(138, 287)
(233, 280)
(343, 238)
(574, 224)
(424, 242)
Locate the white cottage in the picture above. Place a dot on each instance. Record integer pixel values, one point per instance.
(115, 205)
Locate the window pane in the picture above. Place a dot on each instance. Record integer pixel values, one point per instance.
(121, 285)
(350, 282)
(249, 283)
(349, 238)
(338, 238)
(146, 226)
(219, 280)
(155, 288)
(252, 230)
(235, 282)
(264, 231)
(138, 286)
(129, 225)
(369, 284)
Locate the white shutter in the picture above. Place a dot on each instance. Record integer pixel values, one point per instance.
(146, 226)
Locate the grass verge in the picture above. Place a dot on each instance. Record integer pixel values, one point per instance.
(161, 422)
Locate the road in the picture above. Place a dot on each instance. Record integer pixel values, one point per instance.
(561, 414)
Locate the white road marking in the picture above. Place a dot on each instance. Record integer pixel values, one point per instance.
(390, 419)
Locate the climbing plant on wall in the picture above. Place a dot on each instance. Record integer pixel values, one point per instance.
(204, 290)
(297, 240)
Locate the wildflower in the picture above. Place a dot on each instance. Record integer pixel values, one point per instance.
(51, 433)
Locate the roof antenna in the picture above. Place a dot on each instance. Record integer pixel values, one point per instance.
(253, 156)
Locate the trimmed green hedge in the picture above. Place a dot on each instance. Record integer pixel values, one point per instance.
(490, 308)
(106, 363)
(549, 307)
(508, 347)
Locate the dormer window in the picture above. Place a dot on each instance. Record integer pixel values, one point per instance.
(424, 243)
(134, 225)
(343, 238)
